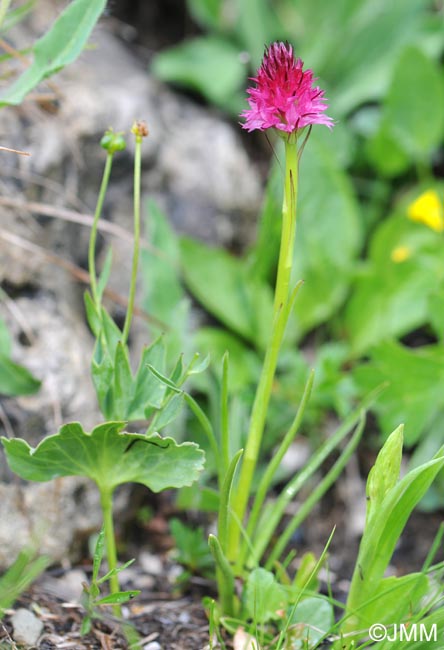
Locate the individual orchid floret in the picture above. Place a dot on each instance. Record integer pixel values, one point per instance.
(284, 97)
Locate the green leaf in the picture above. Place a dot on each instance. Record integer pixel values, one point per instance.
(381, 535)
(22, 572)
(60, 46)
(436, 312)
(385, 472)
(117, 599)
(328, 238)
(5, 339)
(225, 288)
(391, 298)
(123, 383)
(16, 380)
(413, 394)
(209, 65)
(311, 620)
(208, 13)
(264, 596)
(98, 555)
(108, 456)
(168, 413)
(163, 291)
(256, 26)
(394, 599)
(412, 108)
(244, 362)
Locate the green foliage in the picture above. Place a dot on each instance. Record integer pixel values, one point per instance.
(192, 550)
(92, 598)
(54, 50)
(108, 456)
(414, 379)
(24, 570)
(210, 65)
(15, 380)
(224, 286)
(373, 598)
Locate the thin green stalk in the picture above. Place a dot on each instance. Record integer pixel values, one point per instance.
(93, 236)
(277, 458)
(4, 6)
(135, 265)
(263, 392)
(106, 500)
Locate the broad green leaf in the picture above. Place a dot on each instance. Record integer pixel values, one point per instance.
(412, 108)
(16, 380)
(427, 640)
(60, 46)
(208, 13)
(310, 621)
(108, 456)
(207, 64)
(413, 395)
(328, 237)
(355, 44)
(264, 596)
(391, 298)
(244, 362)
(222, 283)
(436, 312)
(382, 533)
(386, 153)
(394, 599)
(163, 291)
(256, 26)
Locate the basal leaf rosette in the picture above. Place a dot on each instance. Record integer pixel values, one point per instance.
(107, 455)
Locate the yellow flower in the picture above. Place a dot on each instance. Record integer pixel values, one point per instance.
(400, 254)
(428, 209)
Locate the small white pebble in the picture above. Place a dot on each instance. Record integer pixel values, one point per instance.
(27, 627)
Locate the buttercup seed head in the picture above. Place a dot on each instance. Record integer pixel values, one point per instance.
(284, 97)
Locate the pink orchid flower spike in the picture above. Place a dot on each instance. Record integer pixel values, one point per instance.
(284, 97)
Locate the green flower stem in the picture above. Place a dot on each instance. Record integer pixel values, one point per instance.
(106, 500)
(263, 392)
(93, 236)
(132, 291)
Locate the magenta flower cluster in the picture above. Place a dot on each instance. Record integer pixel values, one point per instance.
(284, 97)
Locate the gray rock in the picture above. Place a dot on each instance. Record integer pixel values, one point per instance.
(27, 627)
